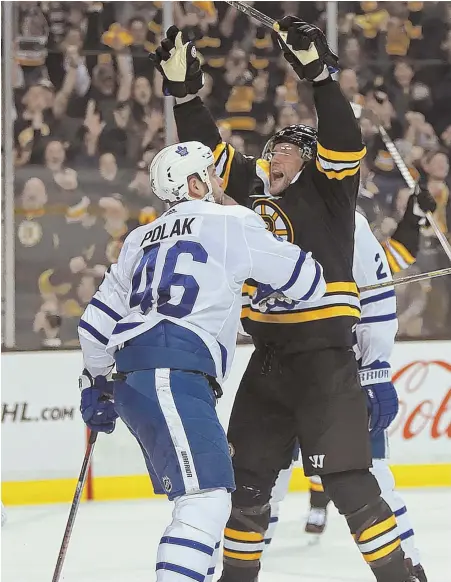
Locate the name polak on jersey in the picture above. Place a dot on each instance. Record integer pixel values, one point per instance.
(180, 227)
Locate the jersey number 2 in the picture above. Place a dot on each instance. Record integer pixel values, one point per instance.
(169, 279)
(380, 273)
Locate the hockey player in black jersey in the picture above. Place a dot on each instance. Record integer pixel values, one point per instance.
(374, 339)
(301, 381)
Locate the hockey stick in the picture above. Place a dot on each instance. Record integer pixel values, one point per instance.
(253, 13)
(269, 22)
(409, 279)
(74, 506)
(401, 165)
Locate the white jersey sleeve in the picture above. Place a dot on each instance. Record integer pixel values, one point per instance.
(280, 264)
(376, 331)
(107, 307)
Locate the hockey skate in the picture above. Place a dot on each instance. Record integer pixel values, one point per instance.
(316, 520)
(417, 572)
(420, 573)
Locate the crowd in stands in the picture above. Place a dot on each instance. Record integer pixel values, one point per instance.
(88, 119)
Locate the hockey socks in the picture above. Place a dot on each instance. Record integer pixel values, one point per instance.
(244, 541)
(375, 532)
(187, 548)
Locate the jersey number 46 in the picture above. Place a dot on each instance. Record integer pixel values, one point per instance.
(169, 278)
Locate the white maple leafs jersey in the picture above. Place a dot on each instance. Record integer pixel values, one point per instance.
(188, 267)
(375, 333)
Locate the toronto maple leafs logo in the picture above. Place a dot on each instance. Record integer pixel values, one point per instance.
(182, 151)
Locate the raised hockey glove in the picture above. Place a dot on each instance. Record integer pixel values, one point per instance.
(305, 47)
(97, 408)
(424, 202)
(266, 298)
(383, 402)
(179, 65)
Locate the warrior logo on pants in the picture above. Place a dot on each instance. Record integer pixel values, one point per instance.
(317, 461)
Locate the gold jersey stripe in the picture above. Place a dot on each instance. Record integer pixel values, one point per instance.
(225, 178)
(316, 487)
(377, 529)
(342, 287)
(394, 267)
(264, 165)
(313, 315)
(401, 249)
(337, 175)
(378, 554)
(248, 290)
(218, 151)
(334, 156)
(243, 536)
(238, 556)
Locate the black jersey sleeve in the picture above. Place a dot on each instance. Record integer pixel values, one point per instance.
(194, 122)
(340, 147)
(402, 247)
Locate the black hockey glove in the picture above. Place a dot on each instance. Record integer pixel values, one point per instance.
(305, 47)
(425, 200)
(179, 65)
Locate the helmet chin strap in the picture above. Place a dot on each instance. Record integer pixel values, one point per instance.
(209, 194)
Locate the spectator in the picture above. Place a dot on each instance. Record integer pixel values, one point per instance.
(287, 116)
(406, 94)
(141, 47)
(88, 119)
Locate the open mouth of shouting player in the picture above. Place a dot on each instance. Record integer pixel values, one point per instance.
(288, 151)
(286, 163)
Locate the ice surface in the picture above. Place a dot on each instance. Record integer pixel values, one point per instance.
(117, 542)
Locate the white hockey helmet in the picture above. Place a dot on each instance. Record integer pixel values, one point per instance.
(171, 168)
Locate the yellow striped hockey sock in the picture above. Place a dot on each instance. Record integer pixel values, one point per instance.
(243, 546)
(244, 542)
(375, 532)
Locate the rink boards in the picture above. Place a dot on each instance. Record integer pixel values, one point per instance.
(43, 437)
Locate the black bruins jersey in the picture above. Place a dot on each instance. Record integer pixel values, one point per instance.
(403, 245)
(315, 212)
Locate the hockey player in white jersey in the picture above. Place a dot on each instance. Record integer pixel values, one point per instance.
(373, 344)
(167, 315)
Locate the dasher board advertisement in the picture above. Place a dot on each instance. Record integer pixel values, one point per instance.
(43, 436)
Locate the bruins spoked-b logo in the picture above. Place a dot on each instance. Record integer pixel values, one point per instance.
(274, 217)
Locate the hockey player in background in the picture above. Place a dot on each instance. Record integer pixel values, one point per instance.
(374, 341)
(167, 315)
(302, 379)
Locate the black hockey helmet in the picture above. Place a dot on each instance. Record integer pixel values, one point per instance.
(303, 136)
